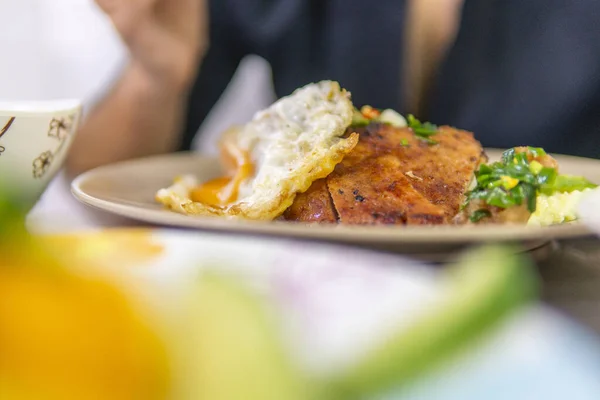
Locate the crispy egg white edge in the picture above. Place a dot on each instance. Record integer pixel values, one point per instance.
(322, 111)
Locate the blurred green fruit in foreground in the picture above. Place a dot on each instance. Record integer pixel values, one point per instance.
(12, 211)
(239, 353)
(237, 350)
(484, 287)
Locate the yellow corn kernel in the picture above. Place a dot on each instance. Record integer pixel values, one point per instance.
(535, 167)
(508, 182)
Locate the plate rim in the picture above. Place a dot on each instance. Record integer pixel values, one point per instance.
(440, 235)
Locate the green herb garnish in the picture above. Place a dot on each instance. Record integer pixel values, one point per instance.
(515, 181)
(422, 130)
(567, 184)
(509, 155)
(404, 143)
(479, 215)
(511, 182)
(358, 119)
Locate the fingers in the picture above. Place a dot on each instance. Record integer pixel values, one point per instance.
(114, 6)
(127, 15)
(108, 6)
(152, 28)
(186, 19)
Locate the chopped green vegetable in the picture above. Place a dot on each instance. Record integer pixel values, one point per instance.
(535, 167)
(515, 181)
(512, 181)
(358, 119)
(422, 130)
(536, 151)
(479, 215)
(404, 143)
(567, 184)
(509, 155)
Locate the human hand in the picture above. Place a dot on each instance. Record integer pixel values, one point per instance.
(166, 38)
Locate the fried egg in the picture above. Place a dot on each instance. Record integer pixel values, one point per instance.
(277, 155)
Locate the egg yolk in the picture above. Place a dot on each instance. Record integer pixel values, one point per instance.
(224, 190)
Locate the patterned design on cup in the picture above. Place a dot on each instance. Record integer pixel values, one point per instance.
(42, 163)
(4, 130)
(7, 126)
(60, 129)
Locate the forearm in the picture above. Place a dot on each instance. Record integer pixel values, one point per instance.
(137, 118)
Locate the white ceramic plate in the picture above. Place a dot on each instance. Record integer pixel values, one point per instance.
(589, 211)
(128, 189)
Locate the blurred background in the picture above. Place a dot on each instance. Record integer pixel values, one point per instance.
(69, 49)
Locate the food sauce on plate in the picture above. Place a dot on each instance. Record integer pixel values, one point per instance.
(224, 190)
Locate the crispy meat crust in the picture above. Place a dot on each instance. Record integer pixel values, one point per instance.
(314, 205)
(393, 177)
(375, 191)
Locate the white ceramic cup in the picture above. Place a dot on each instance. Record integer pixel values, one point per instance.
(34, 140)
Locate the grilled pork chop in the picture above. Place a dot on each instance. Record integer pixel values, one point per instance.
(314, 205)
(394, 177)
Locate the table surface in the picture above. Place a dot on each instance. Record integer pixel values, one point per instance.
(571, 280)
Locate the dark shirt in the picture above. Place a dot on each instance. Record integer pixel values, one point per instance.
(521, 72)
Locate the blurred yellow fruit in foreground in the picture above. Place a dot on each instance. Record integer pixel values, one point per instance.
(112, 247)
(65, 336)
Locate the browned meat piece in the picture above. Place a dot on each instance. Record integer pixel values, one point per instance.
(441, 172)
(375, 191)
(393, 177)
(446, 169)
(314, 205)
